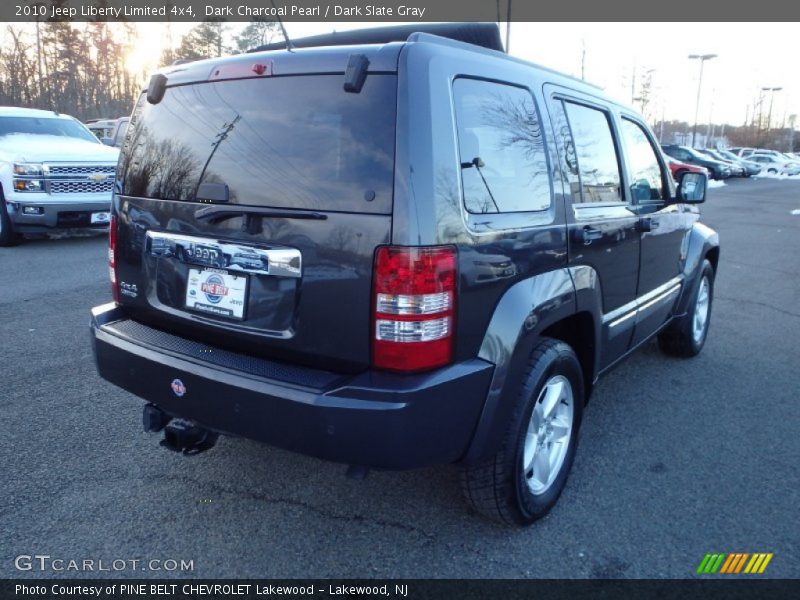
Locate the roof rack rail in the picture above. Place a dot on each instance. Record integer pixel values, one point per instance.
(486, 35)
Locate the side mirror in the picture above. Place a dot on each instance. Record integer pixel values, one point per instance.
(692, 188)
(107, 141)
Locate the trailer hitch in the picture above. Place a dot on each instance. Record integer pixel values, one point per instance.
(187, 437)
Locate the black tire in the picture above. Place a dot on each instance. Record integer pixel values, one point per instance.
(679, 337)
(497, 487)
(8, 237)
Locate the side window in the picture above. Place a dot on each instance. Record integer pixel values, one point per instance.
(502, 154)
(681, 154)
(121, 131)
(598, 164)
(647, 181)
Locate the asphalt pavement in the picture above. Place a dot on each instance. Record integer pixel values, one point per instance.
(677, 458)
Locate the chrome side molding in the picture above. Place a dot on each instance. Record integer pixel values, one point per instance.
(644, 303)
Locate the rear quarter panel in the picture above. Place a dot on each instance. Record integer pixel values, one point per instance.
(429, 208)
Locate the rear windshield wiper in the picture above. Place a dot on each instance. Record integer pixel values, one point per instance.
(478, 163)
(220, 213)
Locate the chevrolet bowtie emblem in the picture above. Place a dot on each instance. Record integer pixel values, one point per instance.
(98, 177)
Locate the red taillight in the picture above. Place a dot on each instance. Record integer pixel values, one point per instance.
(112, 257)
(414, 307)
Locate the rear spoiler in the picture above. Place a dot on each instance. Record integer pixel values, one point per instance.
(485, 35)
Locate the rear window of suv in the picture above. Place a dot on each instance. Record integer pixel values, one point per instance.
(288, 142)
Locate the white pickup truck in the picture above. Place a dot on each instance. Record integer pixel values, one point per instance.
(53, 174)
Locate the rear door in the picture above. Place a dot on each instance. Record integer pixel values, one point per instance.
(249, 211)
(603, 230)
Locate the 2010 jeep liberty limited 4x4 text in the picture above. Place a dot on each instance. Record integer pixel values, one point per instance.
(406, 250)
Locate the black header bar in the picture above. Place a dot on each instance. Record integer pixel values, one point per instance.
(400, 589)
(399, 10)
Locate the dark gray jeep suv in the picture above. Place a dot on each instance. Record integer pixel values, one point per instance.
(408, 250)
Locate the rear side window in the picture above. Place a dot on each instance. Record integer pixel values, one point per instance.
(647, 182)
(681, 154)
(502, 154)
(596, 154)
(123, 129)
(288, 142)
(568, 162)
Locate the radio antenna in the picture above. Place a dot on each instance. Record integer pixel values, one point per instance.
(289, 45)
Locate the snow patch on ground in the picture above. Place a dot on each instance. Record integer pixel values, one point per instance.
(796, 211)
(764, 175)
(715, 183)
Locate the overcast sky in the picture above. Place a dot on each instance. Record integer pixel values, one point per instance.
(750, 56)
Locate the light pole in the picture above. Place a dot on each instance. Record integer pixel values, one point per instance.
(702, 58)
(508, 28)
(711, 128)
(771, 91)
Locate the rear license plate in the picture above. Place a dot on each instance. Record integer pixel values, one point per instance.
(217, 292)
(99, 218)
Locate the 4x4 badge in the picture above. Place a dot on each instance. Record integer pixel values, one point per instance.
(178, 388)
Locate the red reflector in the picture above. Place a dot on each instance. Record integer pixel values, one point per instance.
(413, 307)
(240, 70)
(411, 356)
(112, 257)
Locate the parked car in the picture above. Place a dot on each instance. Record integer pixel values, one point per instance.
(775, 165)
(54, 173)
(101, 127)
(737, 169)
(745, 152)
(762, 152)
(742, 152)
(678, 168)
(752, 168)
(116, 135)
(791, 157)
(413, 292)
(716, 168)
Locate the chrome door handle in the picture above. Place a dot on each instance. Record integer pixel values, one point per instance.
(590, 234)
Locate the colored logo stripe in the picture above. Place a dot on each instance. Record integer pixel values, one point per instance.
(734, 563)
(758, 563)
(710, 563)
(728, 562)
